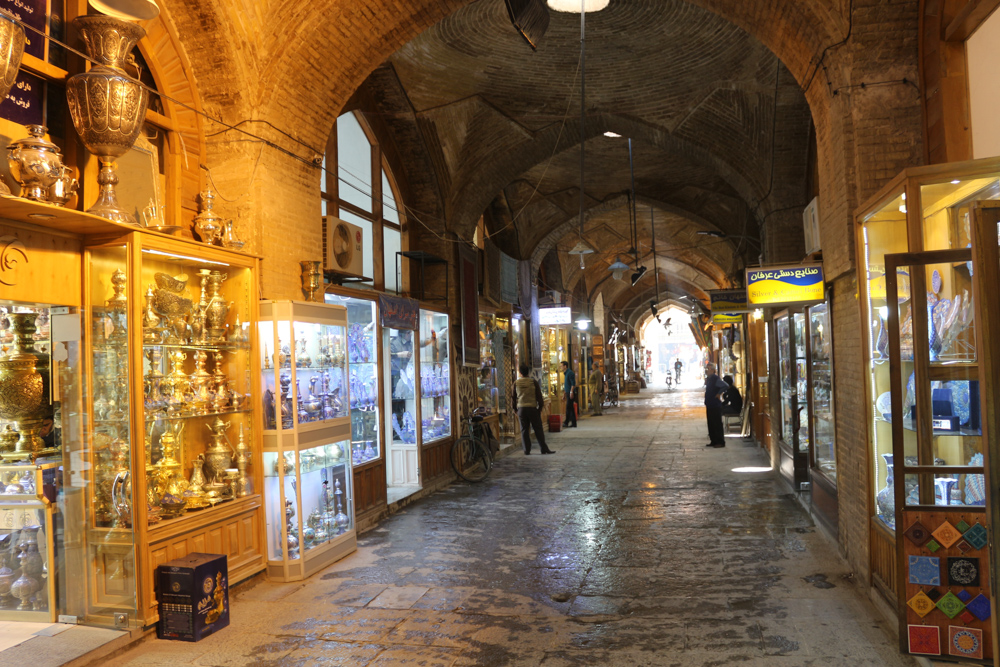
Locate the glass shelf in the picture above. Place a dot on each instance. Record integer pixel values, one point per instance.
(435, 377)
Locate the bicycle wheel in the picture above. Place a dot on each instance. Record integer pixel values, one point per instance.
(471, 459)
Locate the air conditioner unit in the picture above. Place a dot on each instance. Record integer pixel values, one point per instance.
(810, 225)
(343, 246)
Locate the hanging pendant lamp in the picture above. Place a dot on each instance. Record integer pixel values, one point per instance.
(582, 247)
(618, 269)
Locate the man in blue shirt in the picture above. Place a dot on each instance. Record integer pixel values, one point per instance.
(715, 392)
(569, 391)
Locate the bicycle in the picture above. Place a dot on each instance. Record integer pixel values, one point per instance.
(470, 455)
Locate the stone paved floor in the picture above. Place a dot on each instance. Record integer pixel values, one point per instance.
(633, 545)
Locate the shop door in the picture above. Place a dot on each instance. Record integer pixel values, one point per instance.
(937, 493)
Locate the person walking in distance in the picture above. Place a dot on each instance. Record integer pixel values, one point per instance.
(569, 391)
(715, 392)
(529, 402)
(596, 382)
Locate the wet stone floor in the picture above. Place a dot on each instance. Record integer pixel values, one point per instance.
(633, 545)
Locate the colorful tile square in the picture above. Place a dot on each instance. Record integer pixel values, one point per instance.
(964, 546)
(917, 534)
(932, 546)
(980, 607)
(921, 604)
(946, 534)
(950, 605)
(964, 595)
(965, 642)
(934, 594)
(925, 570)
(966, 617)
(962, 526)
(924, 639)
(976, 536)
(963, 571)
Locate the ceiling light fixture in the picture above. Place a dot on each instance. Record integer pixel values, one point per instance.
(612, 135)
(618, 269)
(574, 7)
(712, 232)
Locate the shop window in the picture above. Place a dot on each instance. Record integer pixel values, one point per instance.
(354, 162)
(391, 244)
(351, 190)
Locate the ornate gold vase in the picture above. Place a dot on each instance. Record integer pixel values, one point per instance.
(24, 386)
(107, 107)
(11, 50)
(312, 278)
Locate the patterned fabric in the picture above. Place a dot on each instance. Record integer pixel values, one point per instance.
(975, 485)
(508, 279)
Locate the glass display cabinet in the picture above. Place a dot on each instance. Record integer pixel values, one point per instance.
(402, 456)
(309, 390)
(488, 378)
(171, 438)
(543, 380)
(362, 355)
(805, 437)
(40, 431)
(556, 347)
(435, 377)
(928, 270)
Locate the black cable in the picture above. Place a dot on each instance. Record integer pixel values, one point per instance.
(850, 27)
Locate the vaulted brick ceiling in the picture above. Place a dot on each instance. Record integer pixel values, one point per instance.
(719, 128)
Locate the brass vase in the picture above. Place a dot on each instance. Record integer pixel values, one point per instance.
(312, 278)
(108, 108)
(24, 386)
(11, 50)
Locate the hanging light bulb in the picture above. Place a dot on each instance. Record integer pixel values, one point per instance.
(581, 248)
(618, 269)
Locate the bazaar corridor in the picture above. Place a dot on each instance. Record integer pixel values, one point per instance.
(633, 545)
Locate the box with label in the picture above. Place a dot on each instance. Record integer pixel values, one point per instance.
(193, 596)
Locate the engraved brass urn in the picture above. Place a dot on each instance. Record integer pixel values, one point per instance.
(35, 163)
(312, 278)
(24, 387)
(11, 50)
(108, 108)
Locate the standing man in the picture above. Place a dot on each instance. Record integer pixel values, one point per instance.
(596, 382)
(569, 391)
(715, 391)
(678, 365)
(529, 402)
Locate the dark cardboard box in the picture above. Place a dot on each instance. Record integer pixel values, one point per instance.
(193, 596)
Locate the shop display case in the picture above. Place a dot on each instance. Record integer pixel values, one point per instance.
(543, 379)
(362, 355)
(435, 377)
(824, 457)
(556, 338)
(402, 457)
(172, 447)
(804, 398)
(928, 269)
(303, 346)
(488, 379)
(940, 210)
(309, 390)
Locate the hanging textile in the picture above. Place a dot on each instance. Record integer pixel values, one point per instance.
(508, 279)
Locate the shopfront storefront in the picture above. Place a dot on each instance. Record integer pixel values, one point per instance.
(801, 413)
(928, 270)
(131, 423)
